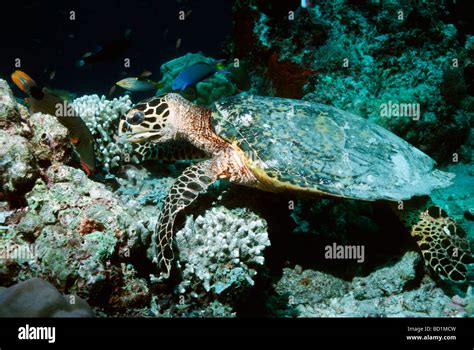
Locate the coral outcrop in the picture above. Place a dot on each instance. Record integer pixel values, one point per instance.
(72, 227)
(220, 252)
(388, 292)
(50, 141)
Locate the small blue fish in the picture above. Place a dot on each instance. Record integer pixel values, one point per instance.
(195, 73)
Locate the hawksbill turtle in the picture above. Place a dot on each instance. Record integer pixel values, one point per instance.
(282, 145)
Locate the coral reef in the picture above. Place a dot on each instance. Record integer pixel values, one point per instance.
(38, 298)
(361, 57)
(101, 117)
(69, 235)
(140, 187)
(18, 165)
(65, 236)
(258, 29)
(89, 241)
(387, 292)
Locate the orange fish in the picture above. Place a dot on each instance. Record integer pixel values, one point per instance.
(42, 100)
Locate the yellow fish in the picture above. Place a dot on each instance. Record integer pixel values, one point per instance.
(138, 84)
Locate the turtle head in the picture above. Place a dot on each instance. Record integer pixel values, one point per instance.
(150, 120)
(166, 118)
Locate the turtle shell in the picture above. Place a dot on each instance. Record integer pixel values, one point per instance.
(314, 147)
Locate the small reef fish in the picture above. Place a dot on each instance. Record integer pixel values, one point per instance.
(44, 101)
(145, 74)
(64, 94)
(106, 53)
(178, 43)
(112, 90)
(195, 73)
(139, 84)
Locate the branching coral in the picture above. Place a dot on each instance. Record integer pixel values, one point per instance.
(220, 251)
(102, 116)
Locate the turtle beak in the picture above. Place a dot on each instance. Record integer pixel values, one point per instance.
(135, 133)
(142, 136)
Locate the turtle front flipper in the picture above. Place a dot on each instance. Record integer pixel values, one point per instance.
(169, 151)
(443, 244)
(194, 180)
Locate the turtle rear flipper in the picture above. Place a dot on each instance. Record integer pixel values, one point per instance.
(443, 244)
(194, 180)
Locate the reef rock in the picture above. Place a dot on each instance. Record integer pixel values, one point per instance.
(9, 112)
(50, 139)
(73, 229)
(18, 166)
(38, 298)
(392, 291)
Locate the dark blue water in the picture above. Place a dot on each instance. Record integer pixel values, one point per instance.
(42, 36)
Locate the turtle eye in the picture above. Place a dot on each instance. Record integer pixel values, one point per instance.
(136, 118)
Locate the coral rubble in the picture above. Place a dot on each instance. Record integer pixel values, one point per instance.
(383, 293)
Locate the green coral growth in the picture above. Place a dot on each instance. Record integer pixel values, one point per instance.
(206, 91)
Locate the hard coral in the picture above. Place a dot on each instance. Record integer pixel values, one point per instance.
(220, 251)
(50, 139)
(74, 228)
(101, 117)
